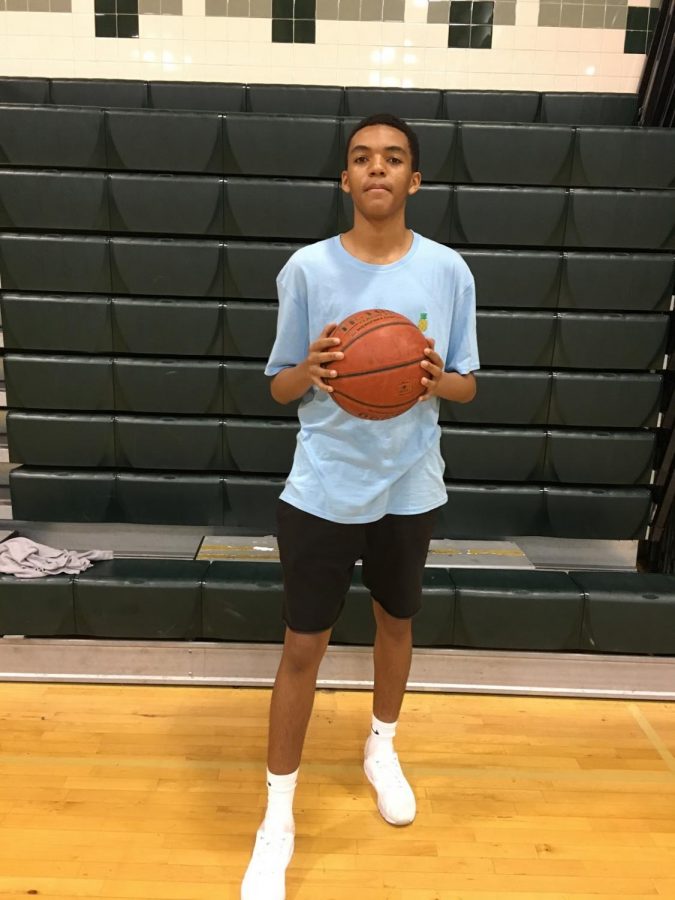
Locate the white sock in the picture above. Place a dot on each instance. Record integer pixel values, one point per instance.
(381, 738)
(280, 792)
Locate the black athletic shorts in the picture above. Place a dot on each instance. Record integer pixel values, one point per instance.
(318, 558)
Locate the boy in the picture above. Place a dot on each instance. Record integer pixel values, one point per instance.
(358, 489)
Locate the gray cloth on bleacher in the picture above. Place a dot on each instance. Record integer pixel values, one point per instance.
(24, 558)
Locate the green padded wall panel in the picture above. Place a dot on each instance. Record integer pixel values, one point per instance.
(37, 607)
(251, 268)
(599, 457)
(247, 392)
(628, 612)
(640, 220)
(491, 511)
(506, 216)
(166, 267)
(404, 102)
(491, 106)
(59, 382)
(39, 322)
(516, 610)
(53, 201)
(624, 157)
(168, 386)
(427, 212)
(610, 341)
(515, 338)
(619, 514)
(260, 446)
(278, 208)
(249, 328)
(605, 399)
(166, 204)
(295, 99)
(617, 281)
(67, 263)
(182, 95)
(583, 108)
(99, 92)
(252, 502)
(507, 397)
(143, 599)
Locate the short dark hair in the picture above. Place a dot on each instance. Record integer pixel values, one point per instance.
(393, 122)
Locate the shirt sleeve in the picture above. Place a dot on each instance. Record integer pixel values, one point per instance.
(462, 353)
(292, 340)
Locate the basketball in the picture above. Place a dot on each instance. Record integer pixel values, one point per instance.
(380, 375)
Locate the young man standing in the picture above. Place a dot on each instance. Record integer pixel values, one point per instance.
(358, 489)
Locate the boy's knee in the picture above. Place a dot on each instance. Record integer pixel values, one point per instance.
(304, 652)
(392, 625)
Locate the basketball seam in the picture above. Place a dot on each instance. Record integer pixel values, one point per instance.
(377, 328)
(377, 371)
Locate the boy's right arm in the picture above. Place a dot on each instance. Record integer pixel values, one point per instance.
(291, 383)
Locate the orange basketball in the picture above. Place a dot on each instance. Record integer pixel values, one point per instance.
(380, 375)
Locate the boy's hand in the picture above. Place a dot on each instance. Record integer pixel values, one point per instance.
(433, 366)
(321, 353)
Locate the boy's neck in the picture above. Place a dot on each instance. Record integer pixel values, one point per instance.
(378, 243)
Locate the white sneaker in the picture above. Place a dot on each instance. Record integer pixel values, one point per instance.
(395, 799)
(265, 878)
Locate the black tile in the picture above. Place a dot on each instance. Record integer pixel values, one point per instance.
(102, 7)
(305, 9)
(653, 17)
(460, 12)
(650, 35)
(638, 18)
(481, 37)
(127, 7)
(459, 36)
(482, 13)
(304, 32)
(282, 9)
(127, 26)
(106, 26)
(636, 42)
(282, 31)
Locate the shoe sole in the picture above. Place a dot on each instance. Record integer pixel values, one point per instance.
(381, 811)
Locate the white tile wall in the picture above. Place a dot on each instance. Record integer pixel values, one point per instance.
(399, 54)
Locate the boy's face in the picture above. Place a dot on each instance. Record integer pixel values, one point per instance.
(379, 173)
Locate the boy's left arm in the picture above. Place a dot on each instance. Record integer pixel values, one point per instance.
(445, 385)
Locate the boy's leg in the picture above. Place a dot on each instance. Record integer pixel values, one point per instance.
(393, 570)
(293, 698)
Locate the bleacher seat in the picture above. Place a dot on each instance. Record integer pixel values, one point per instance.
(42, 607)
(180, 268)
(490, 453)
(504, 397)
(168, 385)
(406, 103)
(508, 216)
(255, 445)
(251, 502)
(79, 495)
(57, 323)
(168, 442)
(166, 204)
(617, 281)
(519, 278)
(101, 92)
(61, 201)
(427, 212)
(514, 154)
(197, 96)
(70, 264)
(150, 599)
(59, 382)
(599, 457)
(491, 106)
(247, 392)
(295, 99)
(164, 141)
(24, 90)
(581, 108)
(52, 137)
(492, 510)
(61, 439)
(167, 327)
(624, 158)
(516, 338)
(610, 341)
(516, 610)
(176, 498)
(242, 602)
(282, 146)
(249, 329)
(251, 268)
(615, 513)
(605, 399)
(621, 219)
(280, 208)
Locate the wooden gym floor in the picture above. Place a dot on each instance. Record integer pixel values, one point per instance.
(156, 792)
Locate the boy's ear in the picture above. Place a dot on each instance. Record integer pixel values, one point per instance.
(344, 182)
(415, 182)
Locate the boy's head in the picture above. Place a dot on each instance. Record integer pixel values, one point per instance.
(381, 166)
(392, 122)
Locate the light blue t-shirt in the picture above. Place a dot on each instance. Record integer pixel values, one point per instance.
(352, 470)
